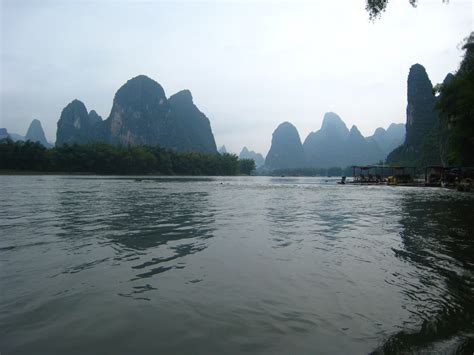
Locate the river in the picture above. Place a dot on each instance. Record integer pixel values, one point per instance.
(230, 265)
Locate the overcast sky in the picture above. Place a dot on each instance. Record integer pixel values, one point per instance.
(250, 65)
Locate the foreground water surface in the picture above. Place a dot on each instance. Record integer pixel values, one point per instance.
(122, 265)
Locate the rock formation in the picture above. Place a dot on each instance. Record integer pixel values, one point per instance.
(360, 151)
(250, 154)
(94, 118)
(286, 151)
(77, 126)
(326, 148)
(421, 146)
(444, 131)
(389, 139)
(35, 133)
(4, 134)
(194, 124)
(421, 116)
(335, 146)
(141, 114)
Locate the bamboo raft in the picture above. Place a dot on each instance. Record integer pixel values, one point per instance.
(434, 176)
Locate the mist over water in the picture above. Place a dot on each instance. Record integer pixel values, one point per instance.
(117, 265)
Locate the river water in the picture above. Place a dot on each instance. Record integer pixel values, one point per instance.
(125, 265)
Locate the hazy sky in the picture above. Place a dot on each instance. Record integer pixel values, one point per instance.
(250, 65)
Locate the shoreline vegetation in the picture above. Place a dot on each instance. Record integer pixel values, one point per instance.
(99, 158)
(29, 158)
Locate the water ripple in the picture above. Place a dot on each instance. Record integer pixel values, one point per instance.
(232, 265)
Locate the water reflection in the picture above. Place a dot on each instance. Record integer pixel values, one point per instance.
(150, 226)
(322, 213)
(284, 218)
(437, 238)
(144, 222)
(231, 266)
(179, 252)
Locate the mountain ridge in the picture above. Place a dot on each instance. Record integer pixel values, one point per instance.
(334, 145)
(140, 114)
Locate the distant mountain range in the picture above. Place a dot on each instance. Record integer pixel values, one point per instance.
(250, 154)
(389, 139)
(142, 114)
(4, 133)
(35, 133)
(423, 141)
(245, 153)
(332, 145)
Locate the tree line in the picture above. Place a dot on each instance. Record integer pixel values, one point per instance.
(104, 158)
(456, 104)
